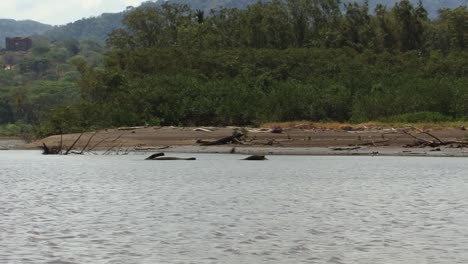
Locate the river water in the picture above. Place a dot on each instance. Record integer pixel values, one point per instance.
(218, 209)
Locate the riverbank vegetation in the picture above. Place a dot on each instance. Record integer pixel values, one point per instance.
(274, 62)
(34, 83)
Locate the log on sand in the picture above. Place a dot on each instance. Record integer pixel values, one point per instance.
(231, 139)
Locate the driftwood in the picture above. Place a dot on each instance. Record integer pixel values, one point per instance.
(129, 128)
(173, 158)
(50, 150)
(59, 150)
(344, 148)
(201, 129)
(87, 143)
(256, 157)
(436, 142)
(150, 148)
(97, 144)
(260, 130)
(373, 153)
(109, 150)
(61, 141)
(374, 143)
(74, 143)
(226, 140)
(267, 142)
(152, 157)
(276, 130)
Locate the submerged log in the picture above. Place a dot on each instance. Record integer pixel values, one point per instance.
(173, 158)
(154, 156)
(54, 150)
(256, 157)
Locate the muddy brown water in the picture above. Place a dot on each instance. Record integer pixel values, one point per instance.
(219, 209)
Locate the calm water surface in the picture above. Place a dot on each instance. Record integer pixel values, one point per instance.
(218, 209)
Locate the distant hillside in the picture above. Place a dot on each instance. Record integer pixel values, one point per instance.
(94, 28)
(214, 4)
(11, 28)
(97, 28)
(432, 6)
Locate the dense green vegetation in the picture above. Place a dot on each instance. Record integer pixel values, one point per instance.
(97, 28)
(34, 83)
(275, 61)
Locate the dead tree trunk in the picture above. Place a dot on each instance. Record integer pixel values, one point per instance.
(223, 141)
(74, 143)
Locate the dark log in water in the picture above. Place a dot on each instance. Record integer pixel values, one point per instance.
(256, 157)
(154, 156)
(173, 158)
(54, 150)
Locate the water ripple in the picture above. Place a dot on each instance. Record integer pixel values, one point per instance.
(120, 209)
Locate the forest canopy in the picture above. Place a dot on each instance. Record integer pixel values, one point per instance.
(275, 61)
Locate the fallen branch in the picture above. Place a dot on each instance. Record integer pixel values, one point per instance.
(97, 144)
(74, 143)
(129, 128)
(89, 141)
(427, 133)
(417, 138)
(344, 148)
(154, 156)
(151, 148)
(201, 129)
(437, 142)
(50, 150)
(222, 141)
(373, 143)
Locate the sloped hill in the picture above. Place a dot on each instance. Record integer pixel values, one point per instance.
(432, 6)
(97, 28)
(11, 28)
(93, 28)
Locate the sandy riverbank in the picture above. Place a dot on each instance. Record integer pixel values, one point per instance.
(7, 143)
(292, 141)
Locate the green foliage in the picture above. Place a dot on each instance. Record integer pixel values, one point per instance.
(18, 129)
(37, 82)
(275, 61)
(418, 117)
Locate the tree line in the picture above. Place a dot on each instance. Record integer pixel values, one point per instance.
(275, 61)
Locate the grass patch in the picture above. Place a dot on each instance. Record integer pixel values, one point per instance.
(376, 125)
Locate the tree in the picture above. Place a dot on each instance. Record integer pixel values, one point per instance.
(356, 26)
(410, 24)
(455, 24)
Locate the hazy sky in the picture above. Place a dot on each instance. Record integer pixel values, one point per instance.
(57, 12)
